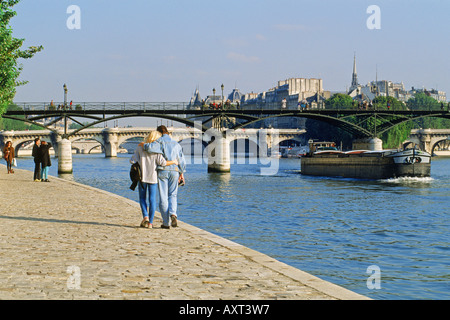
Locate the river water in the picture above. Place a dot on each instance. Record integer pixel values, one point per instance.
(341, 230)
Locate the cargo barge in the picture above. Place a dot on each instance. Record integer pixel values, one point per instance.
(365, 164)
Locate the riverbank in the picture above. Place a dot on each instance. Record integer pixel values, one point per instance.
(64, 240)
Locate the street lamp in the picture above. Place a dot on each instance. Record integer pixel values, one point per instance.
(222, 94)
(65, 106)
(214, 95)
(65, 95)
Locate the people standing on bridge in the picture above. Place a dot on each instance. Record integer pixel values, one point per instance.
(37, 159)
(45, 160)
(169, 177)
(9, 156)
(148, 163)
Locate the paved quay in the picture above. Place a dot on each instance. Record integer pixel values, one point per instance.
(61, 240)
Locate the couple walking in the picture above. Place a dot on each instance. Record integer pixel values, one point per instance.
(162, 165)
(42, 162)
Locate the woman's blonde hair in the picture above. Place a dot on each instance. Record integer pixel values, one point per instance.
(153, 136)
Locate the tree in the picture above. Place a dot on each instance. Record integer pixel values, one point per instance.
(421, 101)
(10, 52)
(9, 124)
(381, 103)
(339, 101)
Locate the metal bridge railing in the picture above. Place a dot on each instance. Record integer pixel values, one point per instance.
(88, 106)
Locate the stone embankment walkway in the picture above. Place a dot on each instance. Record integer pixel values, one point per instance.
(63, 240)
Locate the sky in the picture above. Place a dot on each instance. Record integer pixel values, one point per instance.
(155, 50)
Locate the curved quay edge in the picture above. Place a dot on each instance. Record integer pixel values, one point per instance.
(332, 290)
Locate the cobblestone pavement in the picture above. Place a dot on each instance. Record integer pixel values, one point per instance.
(63, 240)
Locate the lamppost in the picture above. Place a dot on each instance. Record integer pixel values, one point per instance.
(65, 96)
(65, 106)
(222, 95)
(214, 96)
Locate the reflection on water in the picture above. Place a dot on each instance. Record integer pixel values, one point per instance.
(332, 228)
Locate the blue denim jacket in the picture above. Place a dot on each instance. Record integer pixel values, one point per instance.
(170, 149)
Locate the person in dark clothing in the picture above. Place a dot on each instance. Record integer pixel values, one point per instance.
(8, 154)
(37, 159)
(45, 160)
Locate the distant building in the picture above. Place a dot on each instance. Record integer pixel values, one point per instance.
(235, 97)
(288, 94)
(380, 88)
(294, 90)
(440, 96)
(196, 100)
(387, 88)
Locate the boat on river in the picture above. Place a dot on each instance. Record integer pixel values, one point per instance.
(366, 164)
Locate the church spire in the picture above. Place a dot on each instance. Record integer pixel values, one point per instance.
(354, 75)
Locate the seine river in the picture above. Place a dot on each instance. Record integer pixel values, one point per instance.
(335, 229)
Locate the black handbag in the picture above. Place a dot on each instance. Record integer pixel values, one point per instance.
(135, 175)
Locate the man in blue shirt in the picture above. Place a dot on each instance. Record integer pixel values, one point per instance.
(168, 177)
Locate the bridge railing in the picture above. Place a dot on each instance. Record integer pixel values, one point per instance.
(88, 106)
(181, 106)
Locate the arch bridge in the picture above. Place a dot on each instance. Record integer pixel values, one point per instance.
(112, 138)
(360, 123)
(428, 139)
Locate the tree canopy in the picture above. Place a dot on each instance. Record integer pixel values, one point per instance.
(339, 101)
(9, 124)
(422, 101)
(10, 52)
(392, 138)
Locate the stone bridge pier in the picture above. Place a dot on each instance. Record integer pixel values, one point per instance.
(111, 141)
(219, 148)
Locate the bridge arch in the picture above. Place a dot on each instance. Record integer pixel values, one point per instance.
(85, 145)
(194, 149)
(345, 125)
(437, 142)
(184, 121)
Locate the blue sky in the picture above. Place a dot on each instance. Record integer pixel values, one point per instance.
(142, 50)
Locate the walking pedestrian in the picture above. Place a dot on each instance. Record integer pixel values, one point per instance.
(9, 156)
(37, 159)
(148, 163)
(45, 160)
(169, 176)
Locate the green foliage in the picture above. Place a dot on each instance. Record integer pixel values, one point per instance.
(339, 101)
(392, 138)
(423, 102)
(10, 52)
(17, 125)
(77, 126)
(382, 103)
